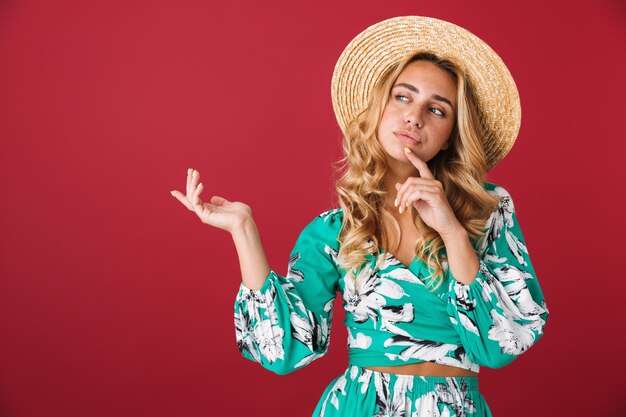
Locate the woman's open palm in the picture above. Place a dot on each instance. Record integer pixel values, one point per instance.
(219, 212)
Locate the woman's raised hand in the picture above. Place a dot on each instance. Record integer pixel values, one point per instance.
(219, 212)
(426, 194)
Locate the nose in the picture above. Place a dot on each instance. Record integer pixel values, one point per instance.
(414, 115)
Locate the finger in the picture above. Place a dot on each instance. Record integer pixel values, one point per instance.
(421, 194)
(188, 189)
(396, 200)
(218, 201)
(408, 192)
(404, 188)
(196, 201)
(402, 191)
(418, 163)
(195, 178)
(180, 197)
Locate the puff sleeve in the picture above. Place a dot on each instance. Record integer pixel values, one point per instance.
(502, 312)
(285, 324)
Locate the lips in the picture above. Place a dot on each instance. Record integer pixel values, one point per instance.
(407, 137)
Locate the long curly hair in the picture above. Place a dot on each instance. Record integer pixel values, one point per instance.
(461, 169)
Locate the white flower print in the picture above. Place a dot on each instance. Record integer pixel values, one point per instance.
(399, 274)
(512, 337)
(396, 404)
(446, 400)
(367, 300)
(293, 299)
(362, 300)
(354, 370)
(428, 406)
(390, 289)
(455, 395)
(365, 379)
(307, 360)
(244, 335)
(381, 382)
(468, 323)
(329, 213)
(390, 315)
(515, 299)
(458, 357)
(419, 348)
(332, 253)
(516, 303)
(255, 300)
(294, 275)
(361, 341)
(315, 335)
(270, 340)
(462, 293)
(515, 315)
(517, 247)
(460, 360)
(502, 219)
(338, 387)
(499, 219)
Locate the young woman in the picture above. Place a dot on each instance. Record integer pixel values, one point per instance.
(428, 256)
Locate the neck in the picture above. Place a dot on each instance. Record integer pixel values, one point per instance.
(397, 172)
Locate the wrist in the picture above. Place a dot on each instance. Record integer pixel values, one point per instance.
(244, 229)
(457, 234)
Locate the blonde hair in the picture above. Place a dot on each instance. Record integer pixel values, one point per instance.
(461, 169)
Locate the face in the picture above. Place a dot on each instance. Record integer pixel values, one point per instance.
(420, 113)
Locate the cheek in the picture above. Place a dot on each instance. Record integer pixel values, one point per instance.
(390, 112)
(443, 127)
(387, 119)
(449, 129)
(382, 125)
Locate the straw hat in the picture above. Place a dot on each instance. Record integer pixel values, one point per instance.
(379, 46)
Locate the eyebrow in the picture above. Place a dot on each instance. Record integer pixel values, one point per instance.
(416, 90)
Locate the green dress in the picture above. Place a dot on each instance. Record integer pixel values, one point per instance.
(394, 318)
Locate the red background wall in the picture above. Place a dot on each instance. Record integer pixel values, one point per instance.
(117, 301)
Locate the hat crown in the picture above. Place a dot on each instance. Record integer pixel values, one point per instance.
(377, 48)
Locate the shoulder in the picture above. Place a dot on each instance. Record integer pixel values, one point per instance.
(326, 225)
(494, 188)
(331, 216)
(500, 191)
(329, 219)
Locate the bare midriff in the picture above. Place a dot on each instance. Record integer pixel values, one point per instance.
(424, 369)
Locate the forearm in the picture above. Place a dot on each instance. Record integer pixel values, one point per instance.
(462, 259)
(252, 260)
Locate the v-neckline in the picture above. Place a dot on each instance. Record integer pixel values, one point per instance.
(415, 266)
(415, 269)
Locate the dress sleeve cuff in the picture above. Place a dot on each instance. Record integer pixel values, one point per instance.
(465, 294)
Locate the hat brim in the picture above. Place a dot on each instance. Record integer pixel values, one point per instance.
(381, 45)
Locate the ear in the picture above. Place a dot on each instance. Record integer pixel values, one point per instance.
(446, 145)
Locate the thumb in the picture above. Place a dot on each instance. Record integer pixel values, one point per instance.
(398, 185)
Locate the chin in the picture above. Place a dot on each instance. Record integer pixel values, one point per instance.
(399, 157)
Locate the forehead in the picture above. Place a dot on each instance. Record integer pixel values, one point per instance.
(429, 77)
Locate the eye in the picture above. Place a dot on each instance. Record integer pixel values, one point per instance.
(398, 96)
(440, 112)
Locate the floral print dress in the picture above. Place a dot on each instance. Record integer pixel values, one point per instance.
(393, 317)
